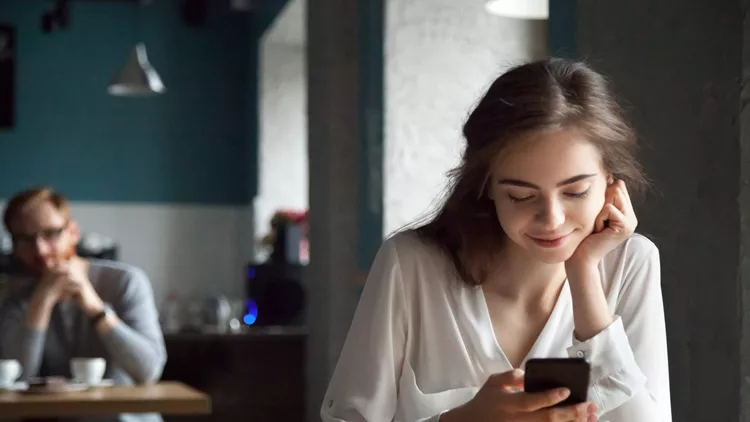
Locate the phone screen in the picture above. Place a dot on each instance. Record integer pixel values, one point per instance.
(571, 373)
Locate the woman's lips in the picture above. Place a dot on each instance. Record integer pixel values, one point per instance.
(550, 242)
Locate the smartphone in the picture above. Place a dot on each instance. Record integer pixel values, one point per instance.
(546, 374)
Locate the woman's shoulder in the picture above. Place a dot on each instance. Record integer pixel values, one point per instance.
(410, 246)
(417, 257)
(629, 259)
(636, 249)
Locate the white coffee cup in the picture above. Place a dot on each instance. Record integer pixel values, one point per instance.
(10, 371)
(88, 370)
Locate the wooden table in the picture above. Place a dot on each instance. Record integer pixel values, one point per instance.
(165, 397)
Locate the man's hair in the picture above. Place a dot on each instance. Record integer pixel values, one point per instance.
(21, 201)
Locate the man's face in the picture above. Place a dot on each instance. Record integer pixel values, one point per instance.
(44, 237)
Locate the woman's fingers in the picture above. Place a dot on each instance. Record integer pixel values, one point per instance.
(532, 402)
(582, 412)
(617, 220)
(621, 199)
(600, 222)
(624, 188)
(508, 381)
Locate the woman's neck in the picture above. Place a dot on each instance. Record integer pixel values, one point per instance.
(521, 279)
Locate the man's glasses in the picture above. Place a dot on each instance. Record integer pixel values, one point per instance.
(49, 235)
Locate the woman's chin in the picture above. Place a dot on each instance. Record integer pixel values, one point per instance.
(553, 255)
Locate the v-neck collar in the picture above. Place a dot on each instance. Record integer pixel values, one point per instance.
(541, 343)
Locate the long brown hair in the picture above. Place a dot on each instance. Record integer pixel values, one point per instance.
(542, 95)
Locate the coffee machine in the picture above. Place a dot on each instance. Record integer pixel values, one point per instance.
(275, 289)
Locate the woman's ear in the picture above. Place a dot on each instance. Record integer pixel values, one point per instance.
(610, 178)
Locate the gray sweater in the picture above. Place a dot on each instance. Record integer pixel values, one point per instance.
(134, 349)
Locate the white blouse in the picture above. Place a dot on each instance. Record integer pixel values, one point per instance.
(422, 343)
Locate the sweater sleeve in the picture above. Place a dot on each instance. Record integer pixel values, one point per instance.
(18, 341)
(137, 343)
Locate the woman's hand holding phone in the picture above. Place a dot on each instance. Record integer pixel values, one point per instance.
(501, 400)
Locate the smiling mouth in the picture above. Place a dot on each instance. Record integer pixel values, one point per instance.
(551, 242)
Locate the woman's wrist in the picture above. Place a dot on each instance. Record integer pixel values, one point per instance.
(591, 313)
(580, 269)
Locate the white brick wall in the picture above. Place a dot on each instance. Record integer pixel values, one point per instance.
(283, 160)
(440, 57)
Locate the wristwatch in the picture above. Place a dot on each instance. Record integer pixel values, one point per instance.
(96, 319)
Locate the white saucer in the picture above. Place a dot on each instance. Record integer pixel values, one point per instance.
(101, 384)
(16, 386)
(54, 389)
(69, 387)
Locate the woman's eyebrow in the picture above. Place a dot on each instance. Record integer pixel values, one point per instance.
(525, 184)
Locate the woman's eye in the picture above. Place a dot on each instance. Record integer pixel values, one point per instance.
(520, 199)
(578, 194)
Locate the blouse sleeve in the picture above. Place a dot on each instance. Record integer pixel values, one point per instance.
(629, 366)
(364, 383)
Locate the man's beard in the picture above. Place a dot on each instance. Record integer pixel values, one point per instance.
(39, 267)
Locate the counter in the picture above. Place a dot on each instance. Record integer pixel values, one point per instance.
(256, 375)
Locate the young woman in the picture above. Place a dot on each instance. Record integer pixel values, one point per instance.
(533, 254)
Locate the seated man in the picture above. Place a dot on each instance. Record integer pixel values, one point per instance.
(60, 306)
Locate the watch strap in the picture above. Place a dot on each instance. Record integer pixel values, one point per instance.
(96, 319)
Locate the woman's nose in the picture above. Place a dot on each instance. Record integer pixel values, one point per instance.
(552, 215)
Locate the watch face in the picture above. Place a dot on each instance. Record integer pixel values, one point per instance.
(102, 315)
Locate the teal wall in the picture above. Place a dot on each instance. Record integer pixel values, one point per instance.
(371, 35)
(561, 28)
(195, 144)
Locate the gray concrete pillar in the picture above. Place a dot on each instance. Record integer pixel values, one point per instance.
(678, 65)
(345, 112)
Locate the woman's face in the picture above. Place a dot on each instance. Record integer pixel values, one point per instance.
(548, 191)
